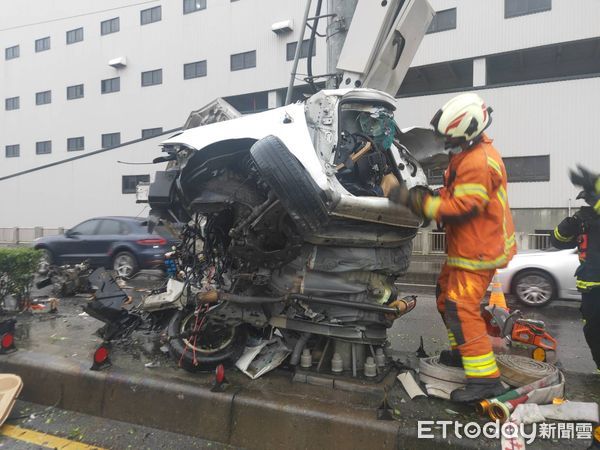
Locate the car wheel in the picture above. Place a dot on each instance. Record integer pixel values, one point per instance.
(289, 180)
(125, 264)
(203, 350)
(534, 288)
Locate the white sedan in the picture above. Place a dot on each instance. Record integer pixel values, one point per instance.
(537, 277)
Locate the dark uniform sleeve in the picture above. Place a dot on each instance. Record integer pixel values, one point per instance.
(565, 234)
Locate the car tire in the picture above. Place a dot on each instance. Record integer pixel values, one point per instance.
(125, 264)
(534, 288)
(182, 350)
(291, 183)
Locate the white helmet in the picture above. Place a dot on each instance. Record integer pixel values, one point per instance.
(462, 119)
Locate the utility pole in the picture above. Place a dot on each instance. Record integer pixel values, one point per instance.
(337, 29)
(339, 16)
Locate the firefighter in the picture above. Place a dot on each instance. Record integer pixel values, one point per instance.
(473, 207)
(582, 230)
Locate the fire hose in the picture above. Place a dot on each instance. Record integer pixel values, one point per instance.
(544, 383)
(532, 381)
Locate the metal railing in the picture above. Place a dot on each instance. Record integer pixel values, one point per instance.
(19, 236)
(418, 243)
(539, 241)
(425, 242)
(437, 242)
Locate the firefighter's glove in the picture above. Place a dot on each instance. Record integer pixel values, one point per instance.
(399, 194)
(413, 199)
(416, 199)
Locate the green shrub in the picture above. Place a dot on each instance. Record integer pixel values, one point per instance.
(17, 268)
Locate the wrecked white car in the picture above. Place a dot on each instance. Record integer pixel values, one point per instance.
(288, 228)
(292, 224)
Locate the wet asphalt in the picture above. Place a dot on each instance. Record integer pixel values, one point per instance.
(83, 429)
(67, 333)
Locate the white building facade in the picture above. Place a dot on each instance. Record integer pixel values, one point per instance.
(77, 76)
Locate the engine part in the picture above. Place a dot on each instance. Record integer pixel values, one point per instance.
(306, 359)
(304, 337)
(337, 365)
(380, 357)
(333, 301)
(370, 367)
(214, 296)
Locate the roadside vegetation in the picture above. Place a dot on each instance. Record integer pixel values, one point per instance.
(17, 268)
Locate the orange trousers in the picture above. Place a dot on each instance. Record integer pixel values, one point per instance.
(459, 295)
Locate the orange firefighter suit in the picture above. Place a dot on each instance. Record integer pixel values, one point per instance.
(473, 206)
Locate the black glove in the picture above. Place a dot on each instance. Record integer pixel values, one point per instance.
(590, 182)
(586, 179)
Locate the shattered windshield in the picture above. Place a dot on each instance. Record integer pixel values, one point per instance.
(380, 125)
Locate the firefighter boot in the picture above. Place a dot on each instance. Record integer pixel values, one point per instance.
(451, 358)
(478, 389)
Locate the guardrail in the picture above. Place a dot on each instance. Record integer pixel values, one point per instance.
(426, 242)
(430, 242)
(418, 243)
(437, 243)
(24, 235)
(539, 241)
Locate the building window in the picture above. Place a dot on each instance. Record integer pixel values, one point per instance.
(437, 78)
(442, 21)
(515, 8)
(75, 144)
(42, 44)
(245, 60)
(148, 133)
(527, 168)
(75, 35)
(150, 15)
(291, 50)
(12, 103)
(109, 26)
(152, 77)
(12, 151)
(194, 70)
(130, 182)
(190, 6)
(12, 52)
(75, 91)
(110, 85)
(43, 98)
(573, 59)
(111, 140)
(250, 103)
(43, 147)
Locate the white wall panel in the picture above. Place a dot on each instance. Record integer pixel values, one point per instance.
(483, 30)
(213, 34)
(557, 119)
(63, 195)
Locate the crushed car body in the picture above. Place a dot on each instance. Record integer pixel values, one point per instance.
(285, 217)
